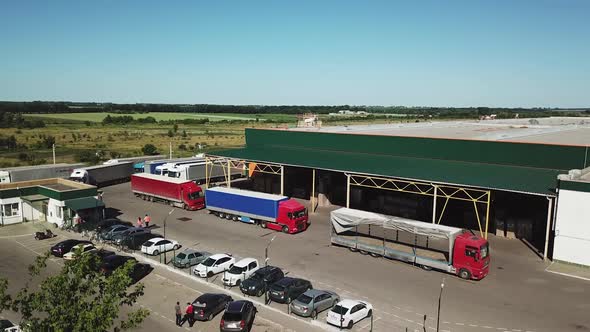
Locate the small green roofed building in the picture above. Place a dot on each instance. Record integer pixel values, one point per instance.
(53, 200)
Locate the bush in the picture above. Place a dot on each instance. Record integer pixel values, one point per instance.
(182, 147)
(149, 150)
(170, 133)
(87, 157)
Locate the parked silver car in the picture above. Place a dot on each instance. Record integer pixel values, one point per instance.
(189, 257)
(313, 301)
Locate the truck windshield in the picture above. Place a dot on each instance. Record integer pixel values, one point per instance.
(299, 214)
(484, 251)
(173, 174)
(195, 195)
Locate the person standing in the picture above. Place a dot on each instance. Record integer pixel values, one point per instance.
(188, 315)
(146, 220)
(139, 222)
(178, 313)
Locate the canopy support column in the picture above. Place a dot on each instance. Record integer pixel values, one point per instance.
(228, 175)
(434, 205)
(282, 180)
(347, 191)
(313, 199)
(548, 230)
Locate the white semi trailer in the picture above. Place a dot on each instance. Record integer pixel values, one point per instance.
(27, 173)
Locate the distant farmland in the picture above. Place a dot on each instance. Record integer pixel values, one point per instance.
(164, 116)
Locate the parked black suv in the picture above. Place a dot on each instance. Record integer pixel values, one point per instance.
(260, 281)
(111, 263)
(287, 289)
(209, 305)
(63, 247)
(238, 317)
(134, 241)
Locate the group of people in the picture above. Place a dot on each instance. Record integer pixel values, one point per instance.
(188, 314)
(145, 222)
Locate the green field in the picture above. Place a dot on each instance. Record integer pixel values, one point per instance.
(163, 116)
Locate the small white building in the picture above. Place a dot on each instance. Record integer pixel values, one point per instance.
(53, 200)
(572, 222)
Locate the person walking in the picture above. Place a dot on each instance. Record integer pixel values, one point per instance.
(139, 222)
(146, 220)
(188, 315)
(178, 313)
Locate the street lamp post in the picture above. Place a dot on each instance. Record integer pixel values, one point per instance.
(266, 251)
(442, 285)
(169, 213)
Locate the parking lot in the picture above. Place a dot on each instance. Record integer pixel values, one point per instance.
(517, 295)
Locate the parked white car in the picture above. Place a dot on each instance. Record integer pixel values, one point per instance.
(158, 245)
(86, 247)
(348, 312)
(214, 264)
(241, 271)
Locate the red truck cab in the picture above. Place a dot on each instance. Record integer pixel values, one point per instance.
(192, 196)
(292, 215)
(471, 256)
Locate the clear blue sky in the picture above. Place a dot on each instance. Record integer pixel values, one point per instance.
(413, 53)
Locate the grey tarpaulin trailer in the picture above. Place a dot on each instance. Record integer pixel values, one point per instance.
(412, 241)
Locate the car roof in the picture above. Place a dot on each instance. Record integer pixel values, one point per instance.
(267, 269)
(286, 281)
(154, 239)
(218, 256)
(315, 292)
(245, 262)
(236, 306)
(208, 297)
(347, 303)
(189, 251)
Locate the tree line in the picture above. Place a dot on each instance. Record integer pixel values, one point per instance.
(16, 120)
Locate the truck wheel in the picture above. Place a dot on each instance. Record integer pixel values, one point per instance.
(235, 218)
(285, 229)
(374, 255)
(425, 267)
(353, 249)
(228, 216)
(464, 274)
(263, 224)
(221, 215)
(363, 252)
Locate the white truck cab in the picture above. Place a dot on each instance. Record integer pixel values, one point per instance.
(79, 175)
(4, 177)
(241, 271)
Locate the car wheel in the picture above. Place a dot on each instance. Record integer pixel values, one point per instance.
(370, 313)
(175, 247)
(156, 252)
(349, 326)
(209, 274)
(285, 229)
(314, 314)
(259, 294)
(263, 224)
(464, 274)
(238, 282)
(210, 317)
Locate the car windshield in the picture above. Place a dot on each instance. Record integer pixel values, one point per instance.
(278, 287)
(237, 269)
(209, 262)
(300, 213)
(232, 317)
(148, 243)
(304, 299)
(340, 310)
(181, 255)
(484, 250)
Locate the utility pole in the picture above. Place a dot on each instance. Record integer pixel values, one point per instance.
(442, 285)
(54, 154)
(266, 251)
(169, 213)
(170, 150)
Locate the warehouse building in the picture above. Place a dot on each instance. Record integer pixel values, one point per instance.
(53, 200)
(499, 177)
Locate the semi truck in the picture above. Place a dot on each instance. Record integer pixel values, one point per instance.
(164, 168)
(176, 192)
(269, 211)
(138, 159)
(27, 173)
(104, 175)
(197, 172)
(430, 246)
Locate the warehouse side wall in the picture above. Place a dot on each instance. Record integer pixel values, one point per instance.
(572, 227)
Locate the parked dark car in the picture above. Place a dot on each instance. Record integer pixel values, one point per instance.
(209, 305)
(120, 237)
(134, 241)
(103, 253)
(108, 233)
(261, 280)
(106, 223)
(238, 317)
(139, 271)
(63, 247)
(111, 263)
(288, 289)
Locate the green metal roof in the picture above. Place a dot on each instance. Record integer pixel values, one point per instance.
(83, 203)
(521, 167)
